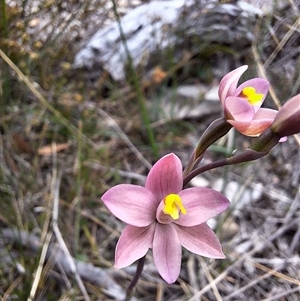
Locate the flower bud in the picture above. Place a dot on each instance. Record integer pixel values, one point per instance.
(287, 120)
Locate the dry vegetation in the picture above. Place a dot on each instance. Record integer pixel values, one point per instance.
(65, 140)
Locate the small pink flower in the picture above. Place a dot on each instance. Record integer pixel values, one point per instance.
(242, 105)
(164, 217)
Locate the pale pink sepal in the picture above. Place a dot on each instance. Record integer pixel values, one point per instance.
(236, 108)
(201, 204)
(165, 177)
(132, 204)
(133, 244)
(261, 121)
(229, 82)
(200, 240)
(167, 252)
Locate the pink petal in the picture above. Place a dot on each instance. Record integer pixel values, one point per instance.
(165, 177)
(259, 84)
(167, 252)
(133, 244)
(262, 120)
(265, 114)
(201, 204)
(238, 108)
(132, 204)
(200, 240)
(229, 82)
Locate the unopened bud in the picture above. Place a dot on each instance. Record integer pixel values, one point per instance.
(287, 120)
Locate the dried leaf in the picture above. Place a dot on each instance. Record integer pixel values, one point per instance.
(49, 149)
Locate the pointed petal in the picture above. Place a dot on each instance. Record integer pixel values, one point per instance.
(229, 82)
(201, 204)
(261, 121)
(259, 84)
(165, 177)
(133, 244)
(167, 252)
(238, 108)
(132, 204)
(200, 240)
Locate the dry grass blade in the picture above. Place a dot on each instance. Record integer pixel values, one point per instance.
(40, 267)
(45, 238)
(121, 133)
(281, 43)
(43, 101)
(11, 288)
(123, 173)
(56, 230)
(210, 280)
(191, 267)
(275, 273)
(240, 290)
(284, 294)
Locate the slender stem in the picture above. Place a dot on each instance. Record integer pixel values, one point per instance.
(136, 277)
(202, 169)
(78, 189)
(136, 84)
(3, 67)
(241, 157)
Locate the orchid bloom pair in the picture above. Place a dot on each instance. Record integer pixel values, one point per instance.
(242, 105)
(162, 216)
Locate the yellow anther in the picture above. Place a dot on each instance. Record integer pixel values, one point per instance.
(251, 95)
(173, 205)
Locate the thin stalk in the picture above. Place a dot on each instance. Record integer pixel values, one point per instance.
(244, 156)
(78, 188)
(4, 67)
(139, 269)
(201, 169)
(136, 85)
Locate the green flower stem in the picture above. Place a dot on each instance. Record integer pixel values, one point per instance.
(136, 85)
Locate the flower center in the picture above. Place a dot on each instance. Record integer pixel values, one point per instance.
(251, 95)
(173, 205)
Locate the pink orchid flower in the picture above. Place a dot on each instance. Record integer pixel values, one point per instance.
(164, 217)
(242, 105)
